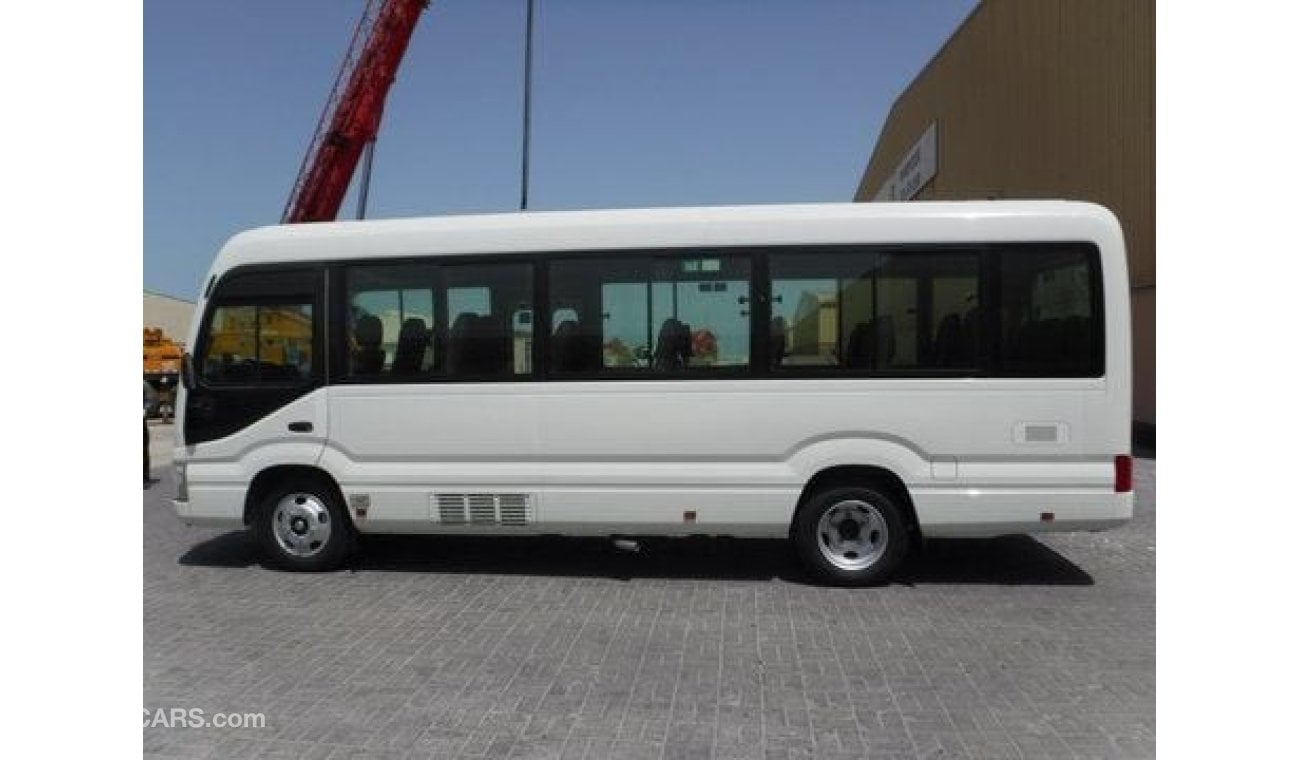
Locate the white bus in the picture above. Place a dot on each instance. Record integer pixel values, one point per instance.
(852, 376)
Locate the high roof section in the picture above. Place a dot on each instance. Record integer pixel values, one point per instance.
(667, 227)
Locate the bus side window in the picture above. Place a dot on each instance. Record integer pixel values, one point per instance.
(390, 320)
(259, 342)
(600, 315)
(640, 315)
(489, 307)
(867, 311)
(1049, 328)
(700, 307)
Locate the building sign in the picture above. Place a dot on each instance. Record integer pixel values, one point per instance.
(917, 168)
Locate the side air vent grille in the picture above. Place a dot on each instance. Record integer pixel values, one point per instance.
(481, 508)
(514, 509)
(450, 508)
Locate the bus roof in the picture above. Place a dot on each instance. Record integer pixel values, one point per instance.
(651, 228)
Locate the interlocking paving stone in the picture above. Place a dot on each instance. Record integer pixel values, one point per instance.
(1015, 647)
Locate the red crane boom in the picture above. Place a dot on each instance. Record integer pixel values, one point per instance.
(354, 109)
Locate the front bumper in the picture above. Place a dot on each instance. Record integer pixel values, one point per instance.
(189, 514)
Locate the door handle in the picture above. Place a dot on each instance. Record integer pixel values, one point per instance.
(300, 427)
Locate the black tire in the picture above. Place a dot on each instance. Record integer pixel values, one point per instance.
(888, 546)
(310, 495)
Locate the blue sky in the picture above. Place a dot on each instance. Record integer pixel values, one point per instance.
(635, 103)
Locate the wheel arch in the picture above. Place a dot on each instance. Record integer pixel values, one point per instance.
(268, 478)
(859, 475)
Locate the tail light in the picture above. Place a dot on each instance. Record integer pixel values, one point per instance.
(1123, 473)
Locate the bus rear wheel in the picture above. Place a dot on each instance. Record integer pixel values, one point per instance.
(301, 526)
(851, 536)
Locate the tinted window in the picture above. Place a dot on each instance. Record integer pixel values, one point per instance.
(489, 330)
(600, 315)
(260, 330)
(391, 320)
(699, 307)
(424, 322)
(649, 315)
(1050, 317)
(875, 311)
(1015, 310)
(259, 343)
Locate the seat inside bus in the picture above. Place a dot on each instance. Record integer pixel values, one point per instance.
(368, 358)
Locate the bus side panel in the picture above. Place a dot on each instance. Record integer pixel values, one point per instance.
(723, 438)
(397, 445)
(727, 457)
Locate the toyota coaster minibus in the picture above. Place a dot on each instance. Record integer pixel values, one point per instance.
(855, 377)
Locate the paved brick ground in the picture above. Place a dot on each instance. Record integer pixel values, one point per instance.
(1016, 647)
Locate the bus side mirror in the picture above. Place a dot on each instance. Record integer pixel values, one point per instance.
(187, 371)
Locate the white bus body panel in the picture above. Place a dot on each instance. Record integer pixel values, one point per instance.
(636, 456)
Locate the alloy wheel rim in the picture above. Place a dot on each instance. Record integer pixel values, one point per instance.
(301, 524)
(852, 534)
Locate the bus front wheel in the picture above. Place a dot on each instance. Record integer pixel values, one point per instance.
(301, 526)
(851, 536)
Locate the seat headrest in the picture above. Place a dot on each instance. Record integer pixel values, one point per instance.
(462, 322)
(369, 330)
(412, 328)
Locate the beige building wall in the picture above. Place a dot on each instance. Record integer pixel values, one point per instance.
(173, 315)
(1045, 99)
